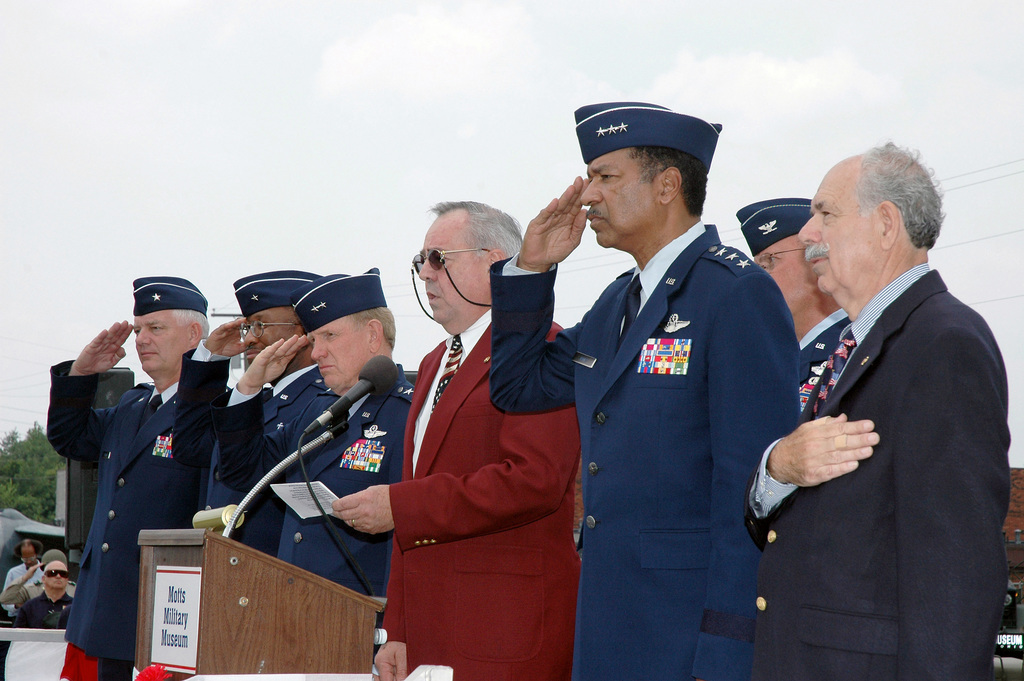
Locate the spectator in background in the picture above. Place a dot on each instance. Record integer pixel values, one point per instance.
(27, 572)
(44, 611)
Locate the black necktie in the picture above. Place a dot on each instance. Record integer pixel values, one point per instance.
(154, 404)
(632, 306)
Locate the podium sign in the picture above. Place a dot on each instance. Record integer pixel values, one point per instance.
(210, 605)
(176, 598)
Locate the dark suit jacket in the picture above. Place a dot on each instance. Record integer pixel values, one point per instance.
(897, 570)
(484, 570)
(141, 486)
(667, 585)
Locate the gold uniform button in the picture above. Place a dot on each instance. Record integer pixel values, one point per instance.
(761, 603)
(417, 542)
(433, 541)
(772, 536)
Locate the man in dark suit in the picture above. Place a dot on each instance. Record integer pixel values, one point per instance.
(881, 515)
(668, 579)
(484, 570)
(141, 485)
(265, 301)
(770, 228)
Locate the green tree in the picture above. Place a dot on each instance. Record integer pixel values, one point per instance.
(28, 474)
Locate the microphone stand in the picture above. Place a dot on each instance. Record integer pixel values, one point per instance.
(320, 441)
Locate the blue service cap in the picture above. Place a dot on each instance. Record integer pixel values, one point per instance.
(269, 289)
(153, 294)
(603, 128)
(323, 300)
(765, 222)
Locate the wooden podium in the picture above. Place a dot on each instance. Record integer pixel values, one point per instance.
(257, 614)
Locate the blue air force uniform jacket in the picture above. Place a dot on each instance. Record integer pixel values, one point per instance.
(141, 486)
(667, 587)
(814, 357)
(201, 383)
(368, 453)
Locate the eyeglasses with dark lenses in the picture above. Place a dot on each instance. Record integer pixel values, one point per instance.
(57, 573)
(257, 328)
(435, 257)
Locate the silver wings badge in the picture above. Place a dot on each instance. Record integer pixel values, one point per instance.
(673, 324)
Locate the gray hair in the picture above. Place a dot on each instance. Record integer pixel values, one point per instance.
(186, 317)
(892, 173)
(488, 227)
(382, 315)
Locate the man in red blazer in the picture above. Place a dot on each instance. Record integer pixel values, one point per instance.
(484, 571)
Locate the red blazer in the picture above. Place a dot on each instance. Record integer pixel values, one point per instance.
(484, 571)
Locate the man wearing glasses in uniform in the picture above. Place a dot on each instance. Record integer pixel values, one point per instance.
(771, 228)
(265, 301)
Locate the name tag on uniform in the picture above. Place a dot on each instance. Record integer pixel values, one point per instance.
(665, 356)
(162, 448)
(584, 360)
(363, 455)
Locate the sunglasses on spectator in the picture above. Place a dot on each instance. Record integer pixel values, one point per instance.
(57, 573)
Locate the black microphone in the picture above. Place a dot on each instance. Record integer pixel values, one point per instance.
(377, 376)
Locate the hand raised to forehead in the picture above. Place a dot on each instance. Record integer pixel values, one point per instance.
(270, 364)
(225, 340)
(103, 352)
(556, 231)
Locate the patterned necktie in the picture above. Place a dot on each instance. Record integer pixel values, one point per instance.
(632, 306)
(154, 404)
(834, 368)
(450, 367)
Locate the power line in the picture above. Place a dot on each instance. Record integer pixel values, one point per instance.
(980, 238)
(975, 172)
(971, 184)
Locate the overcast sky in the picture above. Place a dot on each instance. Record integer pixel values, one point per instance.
(211, 140)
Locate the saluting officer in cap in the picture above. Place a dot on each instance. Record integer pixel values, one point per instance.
(347, 322)
(141, 485)
(265, 300)
(670, 400)
(771, 228)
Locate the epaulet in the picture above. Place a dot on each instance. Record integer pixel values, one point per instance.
(735, 260)
(402, 390)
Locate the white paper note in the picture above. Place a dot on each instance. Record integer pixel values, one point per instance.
(296, 495)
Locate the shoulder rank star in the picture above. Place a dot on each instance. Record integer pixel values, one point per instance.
(407, 391)
(673, 324)
(373, 431)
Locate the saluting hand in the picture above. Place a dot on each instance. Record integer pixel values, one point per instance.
(821, 450)
(270, 364)
(103, 352)
(556, 231)
(225, 340)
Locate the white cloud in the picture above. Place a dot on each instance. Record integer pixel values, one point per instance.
(432, 53)
(762, 90)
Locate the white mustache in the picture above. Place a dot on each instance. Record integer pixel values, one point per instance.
(815, 251)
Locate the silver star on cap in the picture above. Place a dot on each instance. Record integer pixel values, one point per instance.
(255, 297)
(321, 306)
(156, 297)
